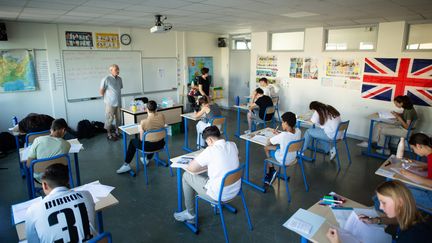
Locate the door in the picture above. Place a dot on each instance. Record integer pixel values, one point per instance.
(239, 68)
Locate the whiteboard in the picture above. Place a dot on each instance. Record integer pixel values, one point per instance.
(159, 74)
(84, 71)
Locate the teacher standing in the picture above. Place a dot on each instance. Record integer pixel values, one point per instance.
(110, 89)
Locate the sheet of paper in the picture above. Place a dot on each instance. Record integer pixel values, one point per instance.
(306, 217)
(19, 210)
(73, 141)
(96, 189)
(385, 173)
(260, 139)
(341, 215)
(24, 153)
(75, 148)
(386, 115)
(366, 232)
(346, 236)
(370, 212)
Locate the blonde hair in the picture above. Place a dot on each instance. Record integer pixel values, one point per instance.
(407, 214)
(112, 66)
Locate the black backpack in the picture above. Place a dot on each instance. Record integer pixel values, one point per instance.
(7, 142)
(85, 129)
(99, 127)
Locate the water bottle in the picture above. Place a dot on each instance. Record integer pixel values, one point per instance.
(14, 120)
(237, 100)
(400, 148)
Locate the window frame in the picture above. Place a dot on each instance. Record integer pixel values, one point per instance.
(269, 38)
(406, 37)
(326, 32)
(237, 37)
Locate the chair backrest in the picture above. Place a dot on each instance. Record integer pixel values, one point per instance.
(294, 146)
(230, 178)
(105, 237)
(342, 128)
(218, 121)
(275, 100)
(30, 137)
(155, 135)
(40, 165)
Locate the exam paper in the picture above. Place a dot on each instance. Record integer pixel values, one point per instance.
(304, 219)
(19, 210)
(366, 232)
(260, 139)
(385, 173)
(96, 189)
(75, 148)
(386, 115)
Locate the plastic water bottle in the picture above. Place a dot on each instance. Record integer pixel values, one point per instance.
(400, 148)
(14, 120)
(237, 100)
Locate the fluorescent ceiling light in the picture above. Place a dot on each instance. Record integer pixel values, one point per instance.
(300, 14)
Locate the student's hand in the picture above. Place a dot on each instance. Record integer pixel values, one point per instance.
(397, 115)
(333, 236)
(368, 220)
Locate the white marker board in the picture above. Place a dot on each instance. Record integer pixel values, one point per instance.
(159, 74)
(84, 71)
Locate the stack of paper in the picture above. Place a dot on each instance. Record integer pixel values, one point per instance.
(386, 115)
(260, 139)
(356, 229)
(304, 223)
(19, 210)
(96, 189)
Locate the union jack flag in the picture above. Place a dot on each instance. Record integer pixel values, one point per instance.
(386, 78)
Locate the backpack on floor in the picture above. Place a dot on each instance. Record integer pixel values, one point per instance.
(85, 129)
(99, 127)
(7, 142)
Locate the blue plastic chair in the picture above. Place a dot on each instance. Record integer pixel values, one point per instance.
(104, 237)
(275, 100)
(268, 110)
(228, 179)
(218, 121)
(407, 137)
(342, 128)
(30, 137)
(40, 165)
(153, 135)
(294, 146)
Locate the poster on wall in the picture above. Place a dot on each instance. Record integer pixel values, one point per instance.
(386, 78)
(310, 68)
(339, 67)
(17, 72)
(107, 41)
(296, 67)
(267, 67)
(195, 64)
(78, 39)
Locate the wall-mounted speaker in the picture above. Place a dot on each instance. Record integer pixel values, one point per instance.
(222, 42)
(3, 35)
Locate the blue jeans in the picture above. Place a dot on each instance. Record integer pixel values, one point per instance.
(316, 133)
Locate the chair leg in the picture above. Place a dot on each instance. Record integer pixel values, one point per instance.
(314, 145)
(246, 210)
(196, 212)
(145, 168)
(168, 162)
(265, 170)
(279, 171)
(286, 185)
(337, 157)
(223, 222)
(303, 173)
(230, 208)
(348, 152)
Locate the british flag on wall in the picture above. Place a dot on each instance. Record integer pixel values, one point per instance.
(386, 78)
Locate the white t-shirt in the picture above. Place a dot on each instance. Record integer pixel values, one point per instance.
(63, 214)
(329, 127)
(112, 86)
(269, 90)
(283, 139)
(220, 158)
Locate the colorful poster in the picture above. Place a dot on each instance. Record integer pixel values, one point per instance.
(17, 72)
(338, 67)
(296, 67)
(196, 63)
(310, 68)
(386, 78)
(266, 67)
(78, 39)
(107, 41)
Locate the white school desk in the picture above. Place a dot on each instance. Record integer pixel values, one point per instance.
(249, 138)
(374, 118)
(102, 204)
(244, 107)
(179, 183)
(172, 115)
(128, 130)
(186, 117)
(326, 212)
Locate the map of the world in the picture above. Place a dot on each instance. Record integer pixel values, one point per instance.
(17, 72)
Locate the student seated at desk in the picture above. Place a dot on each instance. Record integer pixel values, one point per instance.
(327, 119)
(63, 215)
(268, 89)
(51, 145)
(290, 133)
(260, 101)
(400, 209)
(219, 157)
(34, 122)
(208, 111)
(381, 130)
(154, 121)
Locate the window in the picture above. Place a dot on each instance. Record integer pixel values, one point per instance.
(351, 39)
(241, 42)
(419, 37)
(287, 41)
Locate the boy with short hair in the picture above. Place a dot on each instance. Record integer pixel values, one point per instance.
(290, 133)
(260, 101)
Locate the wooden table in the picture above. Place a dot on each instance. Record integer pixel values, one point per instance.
(172, 115)
(102, 204)
(186, 118)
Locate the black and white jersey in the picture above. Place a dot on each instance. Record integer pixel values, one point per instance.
(62, 216)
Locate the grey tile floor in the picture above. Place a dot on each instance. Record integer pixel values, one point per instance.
(145, 212)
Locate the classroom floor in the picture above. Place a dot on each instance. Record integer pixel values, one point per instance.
(144, 213)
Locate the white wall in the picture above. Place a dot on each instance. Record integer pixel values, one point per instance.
(299, 93)
(50, 98)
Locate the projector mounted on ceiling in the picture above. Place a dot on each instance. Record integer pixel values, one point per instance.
(160, 26)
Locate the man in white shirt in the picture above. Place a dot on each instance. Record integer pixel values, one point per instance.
(110, 89)
(219, 157)
(63, 215)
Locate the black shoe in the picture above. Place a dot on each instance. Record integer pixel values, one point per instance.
(267, 179)
(273, 176)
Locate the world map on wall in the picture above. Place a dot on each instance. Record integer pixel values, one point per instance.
(196, 63)
(17, 72)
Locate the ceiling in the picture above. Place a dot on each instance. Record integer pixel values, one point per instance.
(218, 16)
